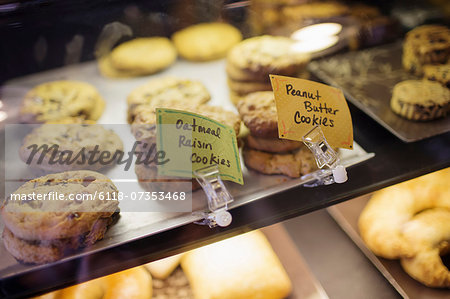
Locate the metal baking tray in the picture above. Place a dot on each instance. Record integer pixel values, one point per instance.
(346, 215)
(367, 78)
(136, 225)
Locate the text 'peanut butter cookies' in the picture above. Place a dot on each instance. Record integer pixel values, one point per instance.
(58, 99)
(255, 58)
(41, 231)
(206, 41)
(427, 44)
(157, 91)
(142, 56)
(79, 146)
(420, 100)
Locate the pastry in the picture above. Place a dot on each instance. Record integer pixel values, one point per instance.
(159, 90)
(206, 41)
(58, 99)
(244, 266)
(427, 44)
(64, 147)
(259, 114)
(134, 283)
(409, 221)
(42, 231)
(257, 57)
(272, 145)
(438, 72)
(420, 100)
(292, 164)
(429, 235)
(143, 55)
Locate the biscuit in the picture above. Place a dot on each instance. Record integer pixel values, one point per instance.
(59, 219)
(159, 90)
(206, 41)
(150, 180)
(272, 145)
(70, 142)
(259, 114)
(420, 100)
(243, 88)
(427, 44)
(58, 99)
(294, 164)
(260, 56)
(438, 72)
(143, 55)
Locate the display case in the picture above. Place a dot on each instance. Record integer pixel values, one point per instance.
(45, 41)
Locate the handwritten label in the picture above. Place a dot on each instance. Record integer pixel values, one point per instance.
(303, 104)
(192, 141)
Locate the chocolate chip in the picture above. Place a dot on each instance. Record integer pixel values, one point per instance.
(48, 182)
(73, 215)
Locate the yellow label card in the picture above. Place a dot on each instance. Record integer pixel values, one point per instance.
(303, 104)
(192, 141)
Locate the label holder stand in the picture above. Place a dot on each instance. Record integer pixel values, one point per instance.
(325, 156)
(217, 196)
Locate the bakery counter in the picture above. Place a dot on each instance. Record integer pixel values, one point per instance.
(394, 162)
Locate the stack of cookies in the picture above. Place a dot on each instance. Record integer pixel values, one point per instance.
(144, 129)
(264, 151)
(250, 62)
(43, 231)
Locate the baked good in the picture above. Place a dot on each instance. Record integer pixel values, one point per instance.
(257, 57)
(108, 70)
(382, 221)
(272, 145)
(293, 164)
(420, 100)
(259, 114)
(57, 99)
(143, 55)
(426, 44)
(243, 87)
(244, 266)
(71, 144)
(157, 91)
(429, 235)
(161, 269)
(134, 283)
(150, 180)
(438, 72)
(42, 231)
(206, 41)
(71, 120)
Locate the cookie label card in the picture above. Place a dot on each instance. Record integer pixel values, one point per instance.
(192, 141)
(303, 104)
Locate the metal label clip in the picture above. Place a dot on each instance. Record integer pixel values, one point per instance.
(217, 195)
(325, 156)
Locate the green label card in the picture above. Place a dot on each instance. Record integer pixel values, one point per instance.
(192, 141)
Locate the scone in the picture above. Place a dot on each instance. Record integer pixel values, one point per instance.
(438, 72)
(420, 100)
(71, 144)
(241, 267)
(43, 231)
(206, 41)
(58, 99)
(427, 44)
(143, 55)
(157, 91)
